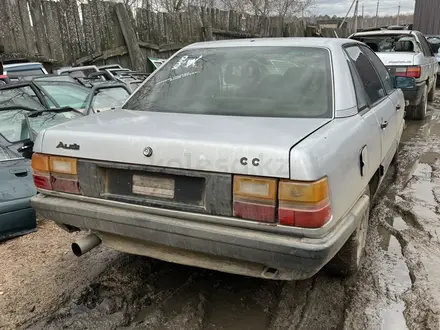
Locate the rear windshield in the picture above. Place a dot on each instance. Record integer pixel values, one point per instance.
(390, 43)
(247, 81)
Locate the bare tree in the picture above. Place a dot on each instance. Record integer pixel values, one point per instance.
(281, 8)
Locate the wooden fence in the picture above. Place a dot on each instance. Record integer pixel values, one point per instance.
(103, 32)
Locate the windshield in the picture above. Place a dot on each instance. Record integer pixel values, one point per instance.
(66, 94)
(24, 96)
(108, 98)
(390, 43)
(14, 128)
(51, 118)
(241, 81)
(13, 124)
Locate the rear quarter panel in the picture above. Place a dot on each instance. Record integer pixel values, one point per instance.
(334, 151)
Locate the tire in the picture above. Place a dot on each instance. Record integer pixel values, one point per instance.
(418, 112)
(431, 95)
(349, 258)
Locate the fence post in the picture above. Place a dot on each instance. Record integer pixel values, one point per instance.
(131, 40)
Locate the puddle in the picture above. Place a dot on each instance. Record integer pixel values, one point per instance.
(429, 158)
(420, 185)
(436, 129)
(392, 318)
(399, 223)
(398, 280)
(412, 129)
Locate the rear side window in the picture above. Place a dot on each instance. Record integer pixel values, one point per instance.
(380, 68)
(293, 82)
(425, 46)
(384, 43)
(358, 86)
(370, 79)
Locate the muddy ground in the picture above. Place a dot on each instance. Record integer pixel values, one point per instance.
(44, 286)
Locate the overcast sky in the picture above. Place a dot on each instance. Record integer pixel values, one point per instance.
(340, 7)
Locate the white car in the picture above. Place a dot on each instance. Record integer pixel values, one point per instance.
(217, 161)
(406, 53)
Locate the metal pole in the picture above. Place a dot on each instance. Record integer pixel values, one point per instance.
(377, 13)
(362, 22)
(348, 12)
(356, 16)
(398, 14)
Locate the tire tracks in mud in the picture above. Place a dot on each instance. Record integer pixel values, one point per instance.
(421, 310)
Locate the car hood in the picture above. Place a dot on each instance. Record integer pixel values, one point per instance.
(396, 59)
(242, 145)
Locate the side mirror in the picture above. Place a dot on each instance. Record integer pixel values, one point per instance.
(404, 82)
(27, 149)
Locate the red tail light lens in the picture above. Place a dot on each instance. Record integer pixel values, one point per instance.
(304, 204)
(290, 203)
(255, 198)
(55, 173)
(411, 71)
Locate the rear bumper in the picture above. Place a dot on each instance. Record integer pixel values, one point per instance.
(202, 244)
(414, 95)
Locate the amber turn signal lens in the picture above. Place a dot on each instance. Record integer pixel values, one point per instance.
(40, 162)
(306, 192)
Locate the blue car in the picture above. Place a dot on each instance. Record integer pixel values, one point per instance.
(19, 127)
(16, 188)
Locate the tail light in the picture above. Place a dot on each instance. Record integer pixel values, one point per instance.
(410, 71)
(55, 173)
(255, 198)
(304, 204)
(290, 203)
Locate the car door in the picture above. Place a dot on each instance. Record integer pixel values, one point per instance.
(396, 122)
(381, 105)
(371, 152)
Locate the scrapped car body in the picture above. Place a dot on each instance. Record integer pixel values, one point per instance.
(434, 42)
(17, 217)
(24, 69)
(217, 162)
(108, 96)
(406, 53)
(17, 131)
(78, 71)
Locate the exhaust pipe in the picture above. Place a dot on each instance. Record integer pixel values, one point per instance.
(85, 244)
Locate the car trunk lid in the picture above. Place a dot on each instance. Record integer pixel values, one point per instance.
(225, 144)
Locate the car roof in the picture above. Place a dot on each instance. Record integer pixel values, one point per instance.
(378, 32)
(271, 42)
(22, 64)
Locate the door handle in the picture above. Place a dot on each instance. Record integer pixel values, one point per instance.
(398, 107)
(384, 125)
(19, 173)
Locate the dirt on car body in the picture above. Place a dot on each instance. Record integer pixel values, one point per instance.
(43, 286)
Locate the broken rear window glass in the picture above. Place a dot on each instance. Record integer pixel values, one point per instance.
(241, 81)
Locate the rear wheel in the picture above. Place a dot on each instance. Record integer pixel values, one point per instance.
(431, 94)
(349, 258)
(418, 112)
